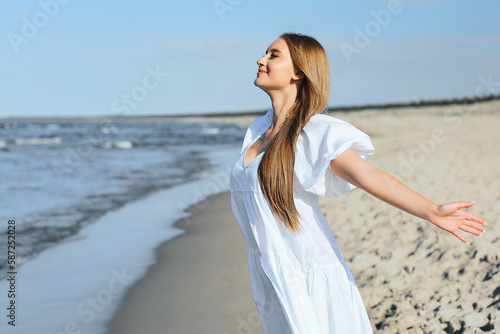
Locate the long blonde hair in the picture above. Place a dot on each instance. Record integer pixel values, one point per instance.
(276, 170)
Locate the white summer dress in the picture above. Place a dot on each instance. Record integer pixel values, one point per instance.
(301, 284)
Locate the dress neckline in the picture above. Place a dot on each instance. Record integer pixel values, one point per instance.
(269, 118)
(253, 142)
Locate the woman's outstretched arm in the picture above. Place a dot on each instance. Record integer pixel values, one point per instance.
(355, 170)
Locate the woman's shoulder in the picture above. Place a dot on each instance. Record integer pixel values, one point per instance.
(323, 121)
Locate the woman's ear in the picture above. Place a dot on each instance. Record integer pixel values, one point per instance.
(298, 75)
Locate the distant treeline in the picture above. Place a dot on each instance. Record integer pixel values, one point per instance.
(421, 103)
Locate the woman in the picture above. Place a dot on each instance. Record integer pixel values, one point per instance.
(300, 281)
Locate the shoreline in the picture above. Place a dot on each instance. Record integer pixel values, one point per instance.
(91, 272)
(244, 116)
(213, 248)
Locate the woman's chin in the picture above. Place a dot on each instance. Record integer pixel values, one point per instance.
(259, 86)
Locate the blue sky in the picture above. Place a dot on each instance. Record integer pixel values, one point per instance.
(77, 58)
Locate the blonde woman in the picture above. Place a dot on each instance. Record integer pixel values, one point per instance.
(300, 281)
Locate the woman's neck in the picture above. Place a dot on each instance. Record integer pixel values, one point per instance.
(281, 105)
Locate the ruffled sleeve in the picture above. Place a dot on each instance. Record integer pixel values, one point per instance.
(321, 140)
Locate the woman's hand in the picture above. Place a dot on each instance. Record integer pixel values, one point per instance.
(377, 182)
(450, 218)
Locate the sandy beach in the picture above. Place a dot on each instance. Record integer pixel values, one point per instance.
(413, 277)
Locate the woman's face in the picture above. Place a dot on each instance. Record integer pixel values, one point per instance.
(276, 70)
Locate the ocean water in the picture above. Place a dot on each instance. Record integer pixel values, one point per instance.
(92, 200)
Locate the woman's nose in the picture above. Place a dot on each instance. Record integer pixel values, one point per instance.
(260, 62)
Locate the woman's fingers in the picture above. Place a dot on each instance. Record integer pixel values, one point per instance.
(459, 236)
(454, 206)
(453, 219)
(458, 205)
(466, 204)
(475, 224)
(471, 230)
(470, 216)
